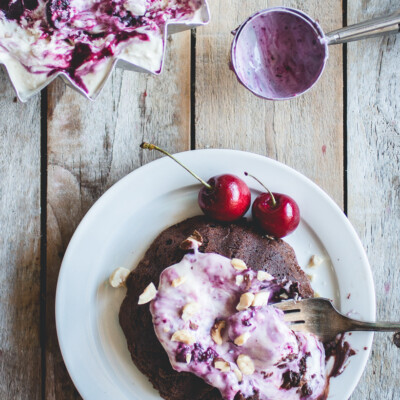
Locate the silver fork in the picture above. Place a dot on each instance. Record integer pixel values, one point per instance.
(321, 318)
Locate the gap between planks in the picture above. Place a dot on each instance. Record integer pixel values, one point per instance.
(43, 235)
(345, 103)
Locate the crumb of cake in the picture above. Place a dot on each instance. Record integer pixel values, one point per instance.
(189, 310)
(283, 296)
(178, 281)
(242, 339)
(188, 358)
(193, 326)
(148, 294)
(216, 332)
(315, 261)
(247, 278)
(238, 264)
(118, 277)
(195, 240)
(221, 364)
(245, 364)
(264, 276)
(316, 294)
(183, 336)
(246, 300)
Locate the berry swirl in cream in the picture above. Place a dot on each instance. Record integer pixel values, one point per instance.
(214, 318)
(83, 38)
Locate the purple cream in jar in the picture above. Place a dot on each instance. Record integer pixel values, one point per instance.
(279, 53)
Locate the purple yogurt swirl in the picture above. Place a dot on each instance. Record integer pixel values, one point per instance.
(255, 351)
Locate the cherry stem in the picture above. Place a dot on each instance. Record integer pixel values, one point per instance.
(270, 193)
(150, 146)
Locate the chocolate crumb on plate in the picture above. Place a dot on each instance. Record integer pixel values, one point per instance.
(396, 339)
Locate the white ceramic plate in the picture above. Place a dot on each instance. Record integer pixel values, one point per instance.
(125, 220)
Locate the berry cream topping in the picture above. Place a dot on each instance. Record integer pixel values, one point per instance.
(82, 39)
(214, 318)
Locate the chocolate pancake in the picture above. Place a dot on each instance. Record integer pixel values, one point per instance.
(237, 240)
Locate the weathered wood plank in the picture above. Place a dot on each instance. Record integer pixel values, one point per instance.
(92, 145)
(20, 350)
(374, 184)
(305, 133)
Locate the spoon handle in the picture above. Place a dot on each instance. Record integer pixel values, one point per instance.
(379, 26)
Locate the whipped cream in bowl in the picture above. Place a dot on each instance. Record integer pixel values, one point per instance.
(82, 40)
(215, 318)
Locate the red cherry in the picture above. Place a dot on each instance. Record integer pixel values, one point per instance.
(277, 214)
(228, 199)
(224, 197)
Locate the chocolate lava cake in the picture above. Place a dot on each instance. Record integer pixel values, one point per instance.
(235, 240)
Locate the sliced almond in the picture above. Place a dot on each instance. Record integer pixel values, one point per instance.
(315, 261)
(246, 299)
(189, 310)
(216, 332)
(242, 339)
(148, 294)
(239, 280)
(118, 277)
(261, 299)
(238, 264)
(178, 281)
(245, 364)
(188, 358)
(222, 365)
(183, 336)
(238, 374)
(195, 240)
(264, 276)
(284, 296)
(269, 237)
(316, 294)
(310, 277)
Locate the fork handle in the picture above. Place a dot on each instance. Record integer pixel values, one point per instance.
(373, 326)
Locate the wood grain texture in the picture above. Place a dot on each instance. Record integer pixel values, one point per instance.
(20, 350)
(93, 145)
(305, 133)
(374, 183)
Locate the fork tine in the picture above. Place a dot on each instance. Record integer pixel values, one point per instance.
(288, 306)
(299, 328)
(294, 317)
(292, 311)
(317, 316)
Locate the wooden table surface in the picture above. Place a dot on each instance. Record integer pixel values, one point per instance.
(59, 153)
